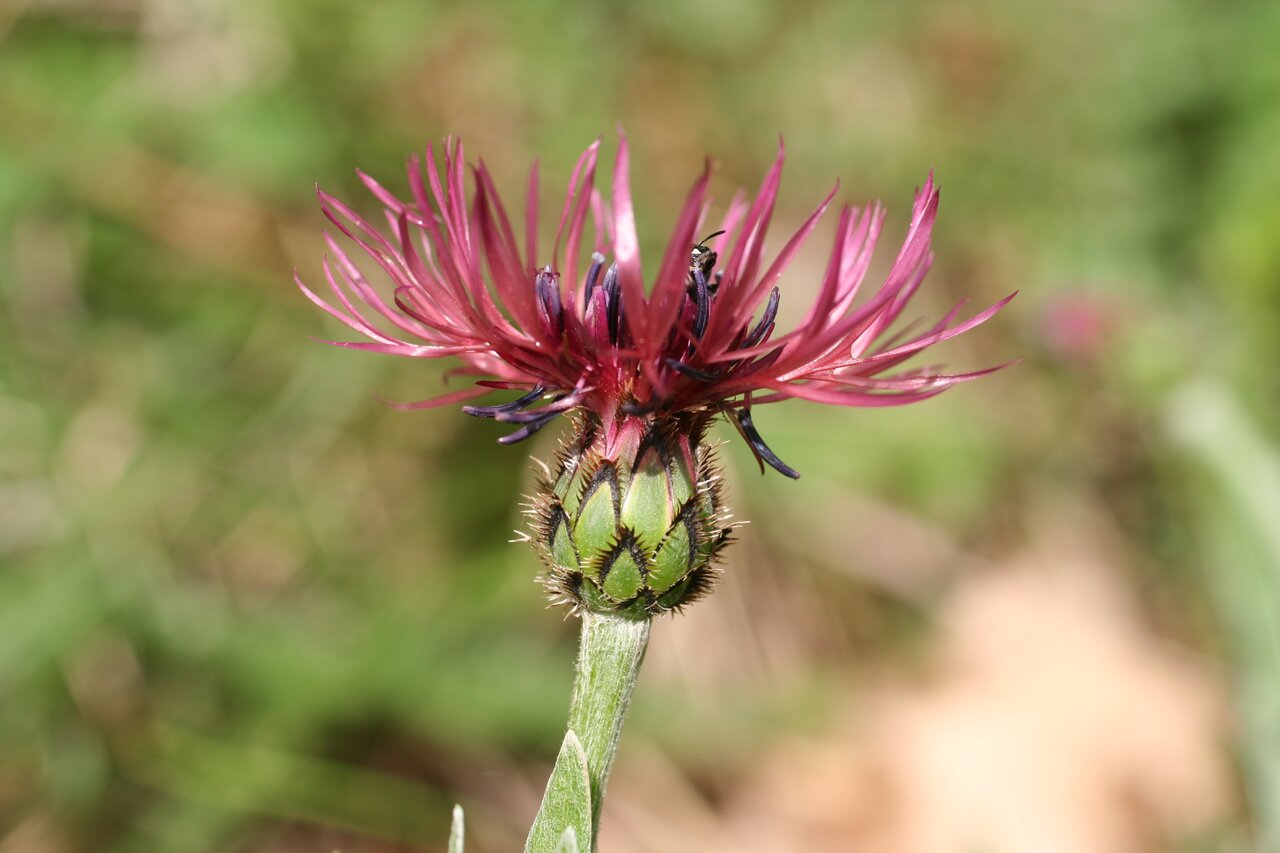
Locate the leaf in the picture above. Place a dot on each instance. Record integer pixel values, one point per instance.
(568, 841)
(457, 831)
(566, 806)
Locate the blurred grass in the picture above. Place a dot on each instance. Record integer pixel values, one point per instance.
(240, 597)
(1239, 471)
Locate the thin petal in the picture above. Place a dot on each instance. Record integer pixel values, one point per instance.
(626, 245)
(826, 394)
(531, 221)
(737, 311)
(929, 340)
(581, 204)
(435, 402)
(669, 288)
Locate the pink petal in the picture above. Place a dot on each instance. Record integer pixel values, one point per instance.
(626, 245)
(442, 400)
(531, 221)
(581, 203)
(669, 288)
(849, 398)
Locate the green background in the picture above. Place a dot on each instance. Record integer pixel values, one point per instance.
(244, 606)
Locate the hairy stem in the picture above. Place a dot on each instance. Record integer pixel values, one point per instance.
(608, 662)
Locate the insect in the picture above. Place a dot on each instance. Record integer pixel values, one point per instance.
(700, 286)
(702, 259)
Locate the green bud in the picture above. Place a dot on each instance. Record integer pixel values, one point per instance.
(630, 517)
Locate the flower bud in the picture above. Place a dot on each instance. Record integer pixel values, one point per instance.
(630, 517)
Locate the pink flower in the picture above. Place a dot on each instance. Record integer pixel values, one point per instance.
(703, 339)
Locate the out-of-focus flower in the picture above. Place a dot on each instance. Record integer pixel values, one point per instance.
(1076, 328)
(646, 370)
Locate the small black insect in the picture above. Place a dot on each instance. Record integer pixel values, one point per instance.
(700, 286)
(702, 259)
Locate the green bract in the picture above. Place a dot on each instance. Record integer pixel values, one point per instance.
(630, 517)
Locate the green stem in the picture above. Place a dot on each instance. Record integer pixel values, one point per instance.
(608, 662)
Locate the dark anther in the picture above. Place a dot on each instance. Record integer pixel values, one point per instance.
(552, 409)
(742, 418)
(527, 430)
(690, 371)
(593, 275)
(612, 301)
(702, 297)
(620, 321)
(634, 408)
(547, 286)
(766, 321)
(503, 408)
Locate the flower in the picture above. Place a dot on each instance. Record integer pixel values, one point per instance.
(703, 338)
(631, 516)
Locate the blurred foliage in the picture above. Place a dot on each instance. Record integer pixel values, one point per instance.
(241, 602)
(1243, 551)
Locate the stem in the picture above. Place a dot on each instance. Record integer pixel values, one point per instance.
(608, 662)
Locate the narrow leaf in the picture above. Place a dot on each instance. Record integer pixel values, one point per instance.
(457, 831)
(566, 806)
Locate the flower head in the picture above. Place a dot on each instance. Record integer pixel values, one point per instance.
(631, 517)
(702, 340)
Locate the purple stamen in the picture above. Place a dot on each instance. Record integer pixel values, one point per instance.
(562, 403)
(613, 301)
(547, 286)
(639, 409)
(690, 371)
(765, 325)
(503, 408)
(527, 430)
(597, 264)
(742, 419)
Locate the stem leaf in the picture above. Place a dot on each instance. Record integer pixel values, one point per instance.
(457, 831)
(566, 806)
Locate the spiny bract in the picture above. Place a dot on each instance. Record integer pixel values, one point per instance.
(630, 518)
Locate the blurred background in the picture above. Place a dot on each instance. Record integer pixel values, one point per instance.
(246, 607)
